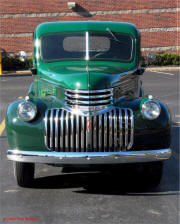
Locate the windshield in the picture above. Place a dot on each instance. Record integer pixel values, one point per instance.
(89, 45)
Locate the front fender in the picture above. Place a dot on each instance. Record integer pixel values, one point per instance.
(149, 133)
(26, 135)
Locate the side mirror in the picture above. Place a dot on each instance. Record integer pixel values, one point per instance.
(140, 71)
(34, 71)
(22, 56)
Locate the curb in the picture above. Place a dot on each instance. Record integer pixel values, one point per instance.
(173, 68)
(28, 73)
(16, 73)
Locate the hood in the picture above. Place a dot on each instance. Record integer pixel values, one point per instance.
(84, 75)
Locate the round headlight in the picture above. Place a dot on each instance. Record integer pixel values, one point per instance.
(27, 111)
(150, 109)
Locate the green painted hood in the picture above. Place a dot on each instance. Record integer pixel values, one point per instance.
(84, 75)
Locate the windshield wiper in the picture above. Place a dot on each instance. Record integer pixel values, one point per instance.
(115, 38)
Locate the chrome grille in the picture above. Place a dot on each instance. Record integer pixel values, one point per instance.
(87, 98)
(111, 131)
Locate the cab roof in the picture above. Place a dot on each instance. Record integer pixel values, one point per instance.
(54, 27)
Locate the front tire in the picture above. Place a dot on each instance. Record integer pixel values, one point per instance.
(24, 173)
(152, 173)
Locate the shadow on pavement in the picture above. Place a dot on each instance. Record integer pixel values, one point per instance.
(124, 181)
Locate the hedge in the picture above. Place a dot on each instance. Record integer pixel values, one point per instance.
(167, 59)
(162, 60)
(13, 63)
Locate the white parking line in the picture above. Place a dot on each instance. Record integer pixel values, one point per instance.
(167, 73)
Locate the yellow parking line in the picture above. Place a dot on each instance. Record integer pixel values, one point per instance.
(2, 127)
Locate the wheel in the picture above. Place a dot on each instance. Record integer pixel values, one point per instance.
(24, 173)
(152, 173)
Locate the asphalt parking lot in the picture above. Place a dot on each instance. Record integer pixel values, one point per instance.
(62, 199)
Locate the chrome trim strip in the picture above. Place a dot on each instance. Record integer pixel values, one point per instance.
(50, 82)
(63, 158)
(77, 96)
(76, 102)
(87, 46)
(78, 91)
(87, 110)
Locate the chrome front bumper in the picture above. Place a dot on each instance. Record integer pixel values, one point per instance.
(63, 158)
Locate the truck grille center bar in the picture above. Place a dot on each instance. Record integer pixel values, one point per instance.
(88, 98)
(112, 131)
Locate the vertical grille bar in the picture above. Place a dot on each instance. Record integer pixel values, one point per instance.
(77, 133)
(62, 129)
(82, 133)
(126, 128)
(51, 129)
(131, 130)
(120, 129)
(57, 129)
(94, 132)
(105, 133)
(72, 131)
(115, 130)
(46, 121)
(100, 133)
(110, 131)
(67, 132)
(89, 133)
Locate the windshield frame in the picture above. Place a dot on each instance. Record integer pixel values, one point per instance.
(87, 57)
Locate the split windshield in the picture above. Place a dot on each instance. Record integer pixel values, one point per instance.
(88, 45)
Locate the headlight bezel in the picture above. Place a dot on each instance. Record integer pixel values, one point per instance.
(32, 106)
(144, 112)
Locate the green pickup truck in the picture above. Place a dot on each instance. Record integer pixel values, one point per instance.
(86, 106)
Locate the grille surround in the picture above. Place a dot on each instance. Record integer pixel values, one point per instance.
(110, 131)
